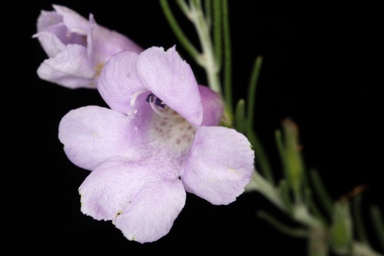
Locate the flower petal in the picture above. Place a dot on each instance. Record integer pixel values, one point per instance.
(48, 19)
(171, 79)
(103, 43)
(50, 42)
(72, 20)
(118, 81)
(141, 203)
(69, 68)
(151, 214)
(213, 107)
(219, 166)
(54, 35)
(91, 135)
(108, 189)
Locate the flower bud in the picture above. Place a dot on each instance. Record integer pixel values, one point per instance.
(341, 230)
(293, 162)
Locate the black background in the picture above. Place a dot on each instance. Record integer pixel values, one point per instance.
(322, 67)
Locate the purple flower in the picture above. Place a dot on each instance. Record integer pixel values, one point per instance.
(159, 140)
(77, 48)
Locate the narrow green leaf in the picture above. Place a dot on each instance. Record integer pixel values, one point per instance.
(240, 121)
(358, 220)
(309, 201)
(227, 75)
(321, 192)
(217, 31)
(252, 90)
(263, 162)
(378, 224)
(183, 7)
(208, 11)
(281, 150)
(196, 3)
(294, 232)
(286, 196)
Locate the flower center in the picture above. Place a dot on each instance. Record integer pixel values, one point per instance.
(171, 133)
(168, 129)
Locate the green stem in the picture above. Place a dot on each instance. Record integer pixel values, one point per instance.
(360, 249)
(302, 215)
(208, 57)
(179, 33)
(318, 244)
(299, 211)
(260, 184)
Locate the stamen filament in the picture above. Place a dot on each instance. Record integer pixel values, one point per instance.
(135, 95)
